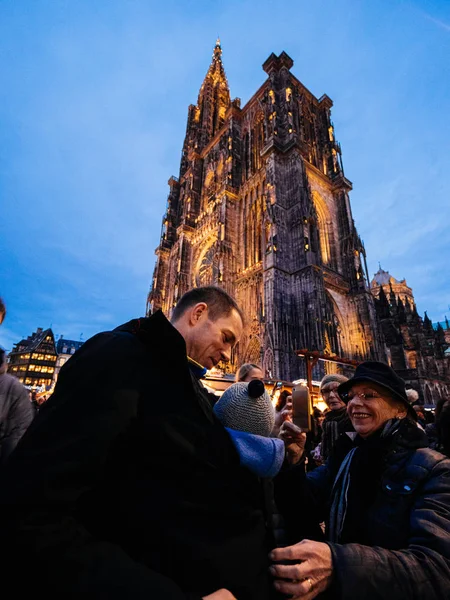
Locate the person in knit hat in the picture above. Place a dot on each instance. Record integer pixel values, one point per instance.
(246, 407)
(336, 422)
(246, 411)
(328, 389)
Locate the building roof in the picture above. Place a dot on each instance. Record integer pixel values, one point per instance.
(68, 345)
(383, 277)
(34, 340)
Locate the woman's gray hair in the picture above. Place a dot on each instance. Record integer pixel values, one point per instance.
(412, 395)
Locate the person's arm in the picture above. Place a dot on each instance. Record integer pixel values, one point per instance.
(301, 498)
(19, 417)
(61, 457)
(261, 455)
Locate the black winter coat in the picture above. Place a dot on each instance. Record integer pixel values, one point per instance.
(406, 527)
(127, 486)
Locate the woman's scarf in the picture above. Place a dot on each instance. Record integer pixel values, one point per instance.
(376, 444)
(336, 422)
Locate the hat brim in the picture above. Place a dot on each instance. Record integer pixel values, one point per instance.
(347, 385)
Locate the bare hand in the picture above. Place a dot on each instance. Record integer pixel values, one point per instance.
(310, 577)
(222, 594)
(282, 416)
(286, 413)
(294, 440)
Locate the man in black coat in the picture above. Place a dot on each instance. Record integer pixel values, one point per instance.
(126, 485)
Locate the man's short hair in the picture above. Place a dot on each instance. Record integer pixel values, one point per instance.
(220, 304)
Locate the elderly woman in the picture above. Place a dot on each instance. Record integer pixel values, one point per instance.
(337, 421)
(385, 498)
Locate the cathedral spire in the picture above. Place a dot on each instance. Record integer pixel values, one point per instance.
(427, 322)
(213, 98)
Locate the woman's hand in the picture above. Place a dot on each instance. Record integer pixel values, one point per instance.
(308, 578)
(282, 416)
(294, 440)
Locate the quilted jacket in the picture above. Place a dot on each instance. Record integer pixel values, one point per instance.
(408, 524)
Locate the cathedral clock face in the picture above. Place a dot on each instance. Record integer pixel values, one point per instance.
(206, 270)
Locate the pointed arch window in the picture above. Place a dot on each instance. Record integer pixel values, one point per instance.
(324, 225)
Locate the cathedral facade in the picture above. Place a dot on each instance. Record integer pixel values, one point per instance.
(261, 208)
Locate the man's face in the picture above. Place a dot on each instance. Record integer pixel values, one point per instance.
(208, 342)
(331, 397)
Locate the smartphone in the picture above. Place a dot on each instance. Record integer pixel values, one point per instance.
(301, 407)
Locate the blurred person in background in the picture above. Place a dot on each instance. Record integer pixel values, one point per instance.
(443, 428)
(2, 311)
(16, 410)
(336, 421)
(248, 372)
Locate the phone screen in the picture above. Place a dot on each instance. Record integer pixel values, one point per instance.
(301, 407)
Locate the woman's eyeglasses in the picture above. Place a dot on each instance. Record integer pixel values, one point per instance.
(361, 395)
(329, 392)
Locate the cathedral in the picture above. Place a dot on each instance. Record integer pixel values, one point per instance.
(261, 208)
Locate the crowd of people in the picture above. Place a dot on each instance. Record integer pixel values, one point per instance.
(133, 481)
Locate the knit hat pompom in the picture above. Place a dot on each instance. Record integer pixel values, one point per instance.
(246, 407)
(333, 377)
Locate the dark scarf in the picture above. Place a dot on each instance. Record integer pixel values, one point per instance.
(359, 476)
(336, 423)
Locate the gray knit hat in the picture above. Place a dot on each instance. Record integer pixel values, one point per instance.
(333, 377)
(246, 407)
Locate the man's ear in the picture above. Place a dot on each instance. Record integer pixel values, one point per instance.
(197, 312)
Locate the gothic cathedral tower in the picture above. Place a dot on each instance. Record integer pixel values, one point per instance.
(261, 208)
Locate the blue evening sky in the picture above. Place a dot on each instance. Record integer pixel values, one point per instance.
(93, 106)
